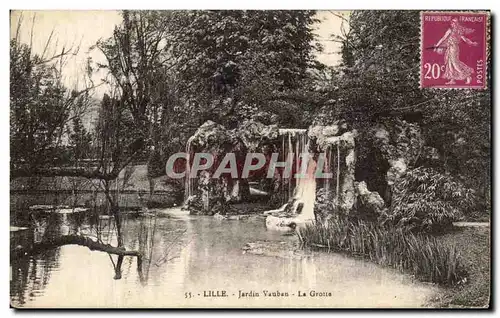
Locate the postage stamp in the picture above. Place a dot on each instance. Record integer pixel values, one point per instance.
(454, 49)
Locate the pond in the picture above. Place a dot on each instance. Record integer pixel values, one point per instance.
(196, 261)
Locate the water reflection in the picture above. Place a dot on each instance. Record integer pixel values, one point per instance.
(183, 254)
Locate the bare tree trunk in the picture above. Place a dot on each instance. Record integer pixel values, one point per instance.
(115, 211)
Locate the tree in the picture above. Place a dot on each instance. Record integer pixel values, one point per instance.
(80, 140)
(40, 107)
(140, 69)
(234, 64)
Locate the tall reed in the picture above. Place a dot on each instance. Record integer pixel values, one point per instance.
(423, 256)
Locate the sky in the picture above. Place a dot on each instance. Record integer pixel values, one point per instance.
(85, 28)
(71, 29)
(330, 24)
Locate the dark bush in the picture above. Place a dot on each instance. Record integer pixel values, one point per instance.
(427, 200)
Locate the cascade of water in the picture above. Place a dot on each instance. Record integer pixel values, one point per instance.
(293, 141)
(328, 168)
(285, 131)
(290, 148)
(338, 172)
(206, 200)
(297, 151)
(305, 191)
(282, 188)
(188, 191)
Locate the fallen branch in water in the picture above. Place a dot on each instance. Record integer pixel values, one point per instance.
(72, 240)
(80, 241)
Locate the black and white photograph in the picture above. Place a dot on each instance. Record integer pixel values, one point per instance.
(250, 159)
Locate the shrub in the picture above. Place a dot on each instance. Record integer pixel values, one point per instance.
(418, 254)
(425, 199)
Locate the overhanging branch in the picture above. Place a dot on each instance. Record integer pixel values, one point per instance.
(73, 240)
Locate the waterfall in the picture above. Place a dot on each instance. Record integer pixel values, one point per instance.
(286, 131)
(293, 142)
(290, 148)
(332, 165)
(338, 172)
(305, 188)
(189, 186)
(328, 167)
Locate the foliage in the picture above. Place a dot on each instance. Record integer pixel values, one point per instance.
(39, 108)
(423, 256)
(135, 65)
(379, 70)
(115, 143)
(155, 165)
(140, 66)
(425, 199)
(45, 126)
(231, 62)
(463, 139)
(80, 140)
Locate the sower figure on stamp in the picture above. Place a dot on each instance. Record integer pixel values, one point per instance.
(454, 68)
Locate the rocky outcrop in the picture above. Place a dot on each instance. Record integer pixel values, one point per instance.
(322, 134)
(395, 146)
(400, 144)
(397, 169)
(280, 224)
(256, 135)
(208, 195)
(211, 136)
(325, 206)
(338, 145)
(369, 205)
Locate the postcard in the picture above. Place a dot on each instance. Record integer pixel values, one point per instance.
(250, 159)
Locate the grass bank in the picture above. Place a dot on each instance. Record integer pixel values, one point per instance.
(428, 258)
(474, 246)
